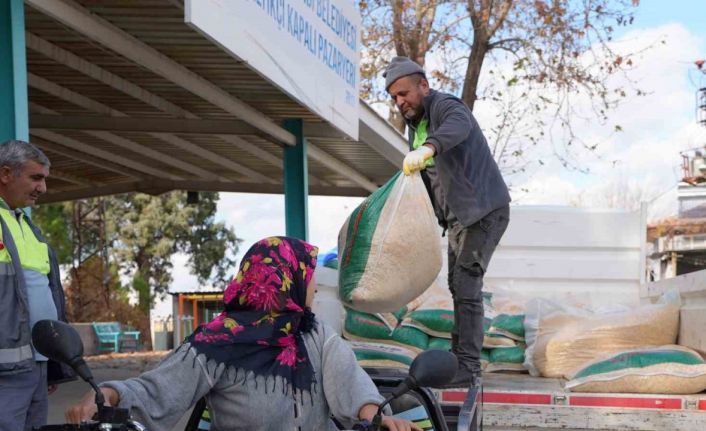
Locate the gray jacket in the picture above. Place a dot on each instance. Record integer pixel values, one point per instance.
(238, 401)
(465, 179)
(16, 354)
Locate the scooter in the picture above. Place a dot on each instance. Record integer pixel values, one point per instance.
(406, 393)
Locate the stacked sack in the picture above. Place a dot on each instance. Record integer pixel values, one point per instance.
(375, 337)
(627, 350)
(378, 340)
(504, 338)
(394, 339)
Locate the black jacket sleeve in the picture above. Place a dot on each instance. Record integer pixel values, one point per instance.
(452, 122)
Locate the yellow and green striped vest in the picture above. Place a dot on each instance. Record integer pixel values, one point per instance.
(33, 254)
(420, 137)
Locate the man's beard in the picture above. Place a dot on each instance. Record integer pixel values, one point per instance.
(414, 115)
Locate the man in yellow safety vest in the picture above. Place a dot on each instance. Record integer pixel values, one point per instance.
(30, 290)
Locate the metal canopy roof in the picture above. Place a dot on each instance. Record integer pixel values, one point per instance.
(124, 96)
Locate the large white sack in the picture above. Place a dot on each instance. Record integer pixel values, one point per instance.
(561, 339)
(647, 370)
(389, 248)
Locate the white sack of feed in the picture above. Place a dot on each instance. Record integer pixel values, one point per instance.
(559, 339)
(389, 247)
(656, 370)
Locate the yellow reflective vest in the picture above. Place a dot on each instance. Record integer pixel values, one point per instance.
(21, 249)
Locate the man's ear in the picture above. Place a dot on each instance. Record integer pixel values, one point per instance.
(6, 174)
(424, 85)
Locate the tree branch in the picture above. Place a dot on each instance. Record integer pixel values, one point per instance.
(498, 44)
(445, 29)
(504, 9)
(398, 37)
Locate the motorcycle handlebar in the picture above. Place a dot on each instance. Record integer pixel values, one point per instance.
(94, 426)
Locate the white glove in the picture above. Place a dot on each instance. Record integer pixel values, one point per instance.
(417, 160)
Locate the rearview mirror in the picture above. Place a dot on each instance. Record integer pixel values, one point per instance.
(57, 341)
(433, 368)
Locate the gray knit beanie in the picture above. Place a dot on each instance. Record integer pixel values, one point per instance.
(398, 68)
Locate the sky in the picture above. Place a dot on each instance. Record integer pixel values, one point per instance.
(644, 156)
(643, 160)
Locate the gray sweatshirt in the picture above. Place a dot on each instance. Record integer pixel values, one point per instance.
(158, 398)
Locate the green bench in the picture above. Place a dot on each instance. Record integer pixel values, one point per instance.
(111, 337)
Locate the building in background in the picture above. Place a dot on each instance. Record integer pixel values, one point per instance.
(190, 309)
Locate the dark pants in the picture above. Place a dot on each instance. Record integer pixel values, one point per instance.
(24, 399)
(470, 250)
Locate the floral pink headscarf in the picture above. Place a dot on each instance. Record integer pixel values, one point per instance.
(265, 314)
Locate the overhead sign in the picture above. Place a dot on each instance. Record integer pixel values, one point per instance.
(308, 48)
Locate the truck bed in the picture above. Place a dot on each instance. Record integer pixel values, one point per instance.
(522, 402)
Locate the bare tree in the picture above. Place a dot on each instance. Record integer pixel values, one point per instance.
(619, 194)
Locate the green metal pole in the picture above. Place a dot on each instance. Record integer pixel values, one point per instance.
(296, 182)
(14, 122)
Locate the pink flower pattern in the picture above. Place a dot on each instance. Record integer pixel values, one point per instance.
(292, 306)
(286, 253)
(264, 297)
(264, 301)
(288, 355)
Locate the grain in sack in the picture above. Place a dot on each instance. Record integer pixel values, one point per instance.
(389, 247)
(560, 339)
(435, 314)
(663, 370)
(506, 359)
(372, 354)
(366, 327)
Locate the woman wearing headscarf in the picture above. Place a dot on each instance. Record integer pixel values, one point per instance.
(264, 363)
